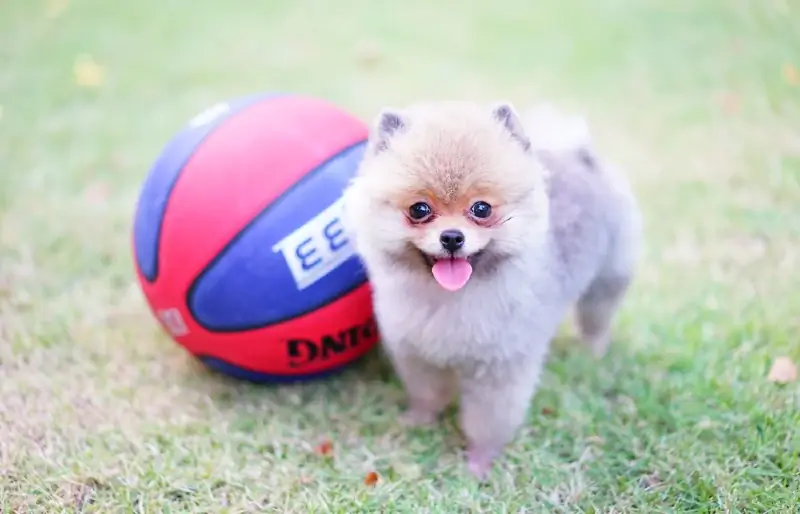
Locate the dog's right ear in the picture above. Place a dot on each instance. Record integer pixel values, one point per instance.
(388, 123)
(507, 116)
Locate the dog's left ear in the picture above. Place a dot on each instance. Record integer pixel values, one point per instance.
(505, 114)
(387, 124)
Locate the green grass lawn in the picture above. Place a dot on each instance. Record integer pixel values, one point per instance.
(698, 99)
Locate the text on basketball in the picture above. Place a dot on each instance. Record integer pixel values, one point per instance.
(317, 248)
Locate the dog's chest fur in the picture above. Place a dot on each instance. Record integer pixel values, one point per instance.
(490, 320)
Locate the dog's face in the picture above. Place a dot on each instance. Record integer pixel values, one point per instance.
(447, 189)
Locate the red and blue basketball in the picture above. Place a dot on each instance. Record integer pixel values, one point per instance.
(238, 244)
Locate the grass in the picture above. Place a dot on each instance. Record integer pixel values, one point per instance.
(101, 412)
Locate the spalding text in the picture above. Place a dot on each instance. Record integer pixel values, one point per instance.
(303, 352)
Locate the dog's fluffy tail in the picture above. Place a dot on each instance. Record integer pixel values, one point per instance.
(552, 130)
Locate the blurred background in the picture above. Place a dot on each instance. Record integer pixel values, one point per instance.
(699, 101)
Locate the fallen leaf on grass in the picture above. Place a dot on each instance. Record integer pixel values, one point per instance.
(371, 478)
(783, 371)
(368, 54)
(325, 448)
(87, 72)
(55, 8)
(791, 75)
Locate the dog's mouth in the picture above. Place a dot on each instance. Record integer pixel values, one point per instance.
(452, 272)
(430, 260)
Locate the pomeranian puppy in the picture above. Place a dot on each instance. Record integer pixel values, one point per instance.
(478, 233)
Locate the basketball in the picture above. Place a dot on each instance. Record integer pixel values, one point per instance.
(238, 245)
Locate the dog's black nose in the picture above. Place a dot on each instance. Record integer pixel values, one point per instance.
(452, 240)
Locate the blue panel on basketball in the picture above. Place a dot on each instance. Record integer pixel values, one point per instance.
(165, 172)
(293, 258)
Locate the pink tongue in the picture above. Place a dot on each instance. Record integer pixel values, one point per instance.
(452, 274)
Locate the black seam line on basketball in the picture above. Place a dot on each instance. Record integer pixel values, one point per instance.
(308, 176)
(210, 130)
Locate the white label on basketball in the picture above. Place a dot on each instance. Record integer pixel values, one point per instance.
(210, 114)
(317, 248)
(173, 321)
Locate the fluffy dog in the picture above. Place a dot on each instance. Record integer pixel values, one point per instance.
(478, 233)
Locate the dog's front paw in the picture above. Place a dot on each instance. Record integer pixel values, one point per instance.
(480, 461)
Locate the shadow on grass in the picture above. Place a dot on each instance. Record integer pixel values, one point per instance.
(373, 368)
(361, 399)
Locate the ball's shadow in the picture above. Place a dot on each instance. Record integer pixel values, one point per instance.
(340, 387)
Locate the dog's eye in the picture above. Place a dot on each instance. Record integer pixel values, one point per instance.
(419, 211)
(481, 210)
